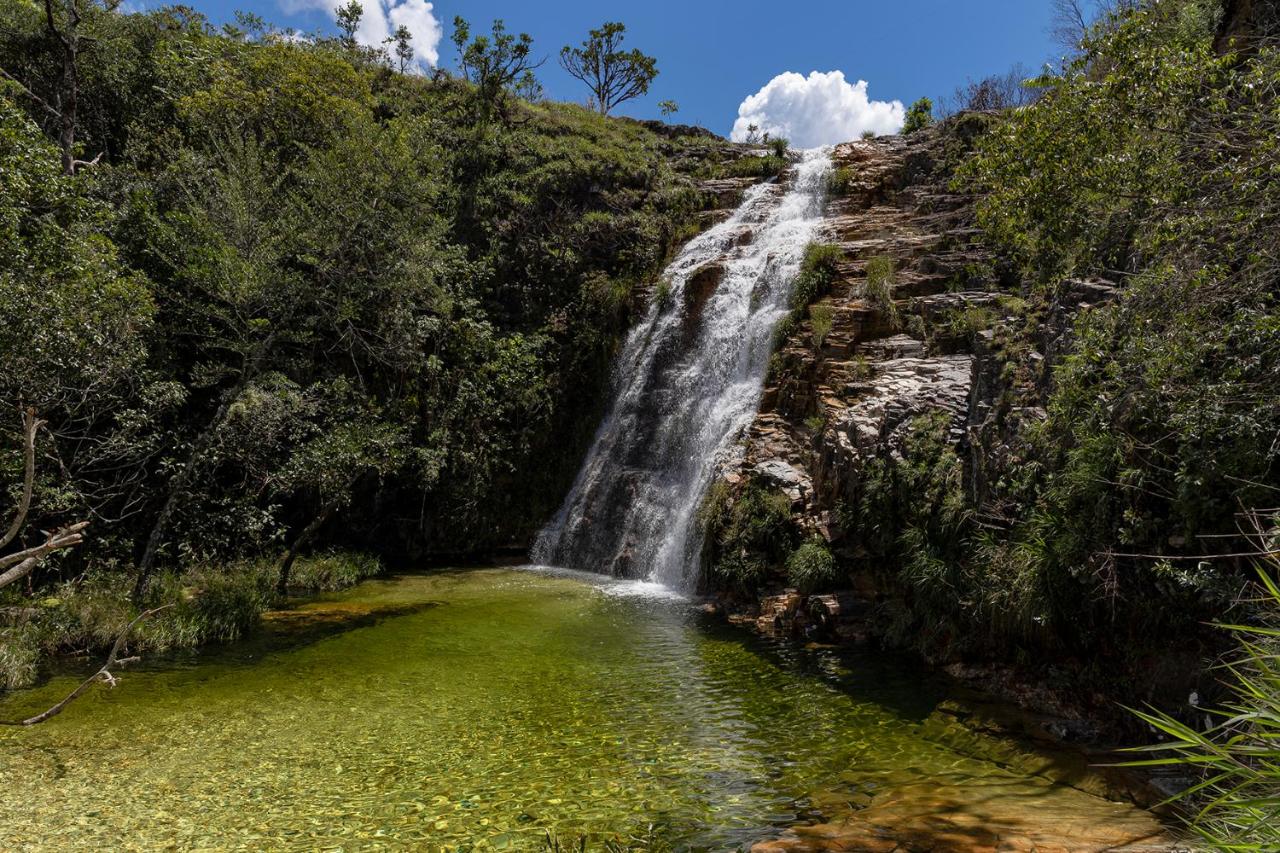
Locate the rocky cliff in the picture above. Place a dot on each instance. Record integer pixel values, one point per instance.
(897, 402)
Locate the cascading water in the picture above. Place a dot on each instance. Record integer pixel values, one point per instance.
(687, 384)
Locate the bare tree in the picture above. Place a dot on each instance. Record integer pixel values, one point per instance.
(1071, 20)
(612, 75)
(996, 92)
(1069, 23)
(19, 564)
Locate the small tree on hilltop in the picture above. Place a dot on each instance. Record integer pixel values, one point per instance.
(919, 116)
(403, 41)
(612, 75)
(495, 64)
(348, 20)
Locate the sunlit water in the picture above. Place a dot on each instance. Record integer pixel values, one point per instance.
(469, 710)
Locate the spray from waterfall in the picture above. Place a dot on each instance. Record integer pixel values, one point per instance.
(687, 384)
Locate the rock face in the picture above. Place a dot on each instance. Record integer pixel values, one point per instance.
(827, 409)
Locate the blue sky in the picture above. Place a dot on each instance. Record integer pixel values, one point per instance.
(712, 55)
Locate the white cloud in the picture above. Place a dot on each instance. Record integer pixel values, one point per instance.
(821, 109)
(380, 19)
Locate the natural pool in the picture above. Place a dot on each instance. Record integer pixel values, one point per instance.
(476, 710)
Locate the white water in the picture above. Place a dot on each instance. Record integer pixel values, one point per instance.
(684, 389)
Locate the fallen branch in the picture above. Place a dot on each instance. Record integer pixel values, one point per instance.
(103, 674)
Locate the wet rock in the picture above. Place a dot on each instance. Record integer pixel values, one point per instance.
(699, 289)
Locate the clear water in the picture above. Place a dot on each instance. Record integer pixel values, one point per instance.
(474, 710)
(687, 383)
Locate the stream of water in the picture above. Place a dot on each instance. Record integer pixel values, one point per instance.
(687, 383)
(478, 710)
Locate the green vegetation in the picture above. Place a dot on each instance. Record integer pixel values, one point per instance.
(811, 567)
(841, 181)
(767, 166)
(1234, 805)
(817, 272)
(878, 287)
(273, 297)
(919, 116)
(1092, 515)
(749, 533)
(820, 318)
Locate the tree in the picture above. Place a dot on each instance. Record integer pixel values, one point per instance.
(612, 75)
(327, 469)
(1016, 88)
(403, 41)
(496, 64)
(919, 116)
(1071, 20)
(64, 23)
(348, 18)
(668, 108)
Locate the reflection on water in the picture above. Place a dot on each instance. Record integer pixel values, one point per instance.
(472, 711)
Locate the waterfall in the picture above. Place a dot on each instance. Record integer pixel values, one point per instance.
(688, 382)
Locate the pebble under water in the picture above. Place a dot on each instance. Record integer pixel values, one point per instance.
(473, 710)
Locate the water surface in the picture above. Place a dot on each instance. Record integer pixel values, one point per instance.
(473, 710)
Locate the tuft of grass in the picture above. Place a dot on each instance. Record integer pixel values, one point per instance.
(817, 272)
(333, 570)
(662, 293)
(767, 166)
(821, 317)
(840, 182)
(1235, 805)
(210, 604)
(20, 655)
(879, 287)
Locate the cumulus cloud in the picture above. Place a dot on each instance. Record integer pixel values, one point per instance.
(821, 109)
(380, 19)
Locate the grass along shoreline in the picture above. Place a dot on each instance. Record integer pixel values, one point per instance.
(207, 604)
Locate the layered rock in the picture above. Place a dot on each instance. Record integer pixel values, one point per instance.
(831, 405)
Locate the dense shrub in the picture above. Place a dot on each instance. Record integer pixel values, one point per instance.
(748, 533)
(811, 567)
(919, 116)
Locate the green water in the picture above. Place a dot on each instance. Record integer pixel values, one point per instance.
(468, 710)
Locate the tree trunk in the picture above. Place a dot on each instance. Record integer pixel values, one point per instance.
(69, 38)
(291, 555)
(177, 486)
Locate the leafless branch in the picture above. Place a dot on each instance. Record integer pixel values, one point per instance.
(103, 674)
